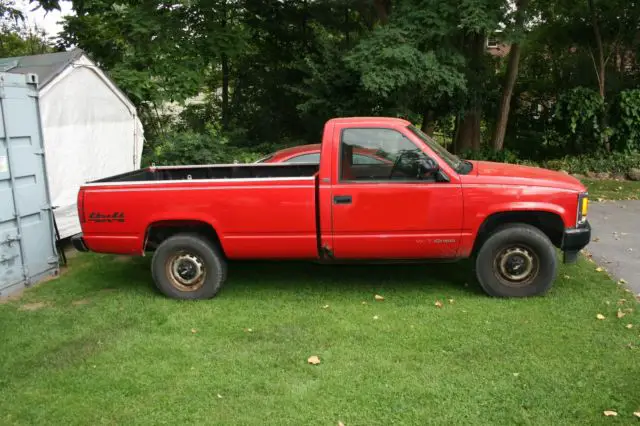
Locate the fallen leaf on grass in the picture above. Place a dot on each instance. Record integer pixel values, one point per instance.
(516, 374)
(607, 303)
(622, 281)
(340, 424)
(600, 316)
(325, 307)
(629, 326)
(248, 330)
(451, 301)
(620, 314)
(622, 301)
(364, 303)
(610, 413)
(438, 304)
(566, 277)
(219, 396)
(314, 360)
(378, 298)
(599, 269)
(193, 330)
(637, 414)
(375, 317)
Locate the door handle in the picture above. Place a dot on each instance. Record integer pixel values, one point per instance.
(342, 199)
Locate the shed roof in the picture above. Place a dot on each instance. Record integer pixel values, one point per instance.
(46, 66)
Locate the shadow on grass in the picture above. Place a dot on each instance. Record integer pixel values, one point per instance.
(293, 277)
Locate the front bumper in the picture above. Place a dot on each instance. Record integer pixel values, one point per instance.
(78, 243)
(574, 240)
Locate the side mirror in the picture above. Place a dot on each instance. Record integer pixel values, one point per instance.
(428, 167)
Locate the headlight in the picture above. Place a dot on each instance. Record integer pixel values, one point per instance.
(583, 207)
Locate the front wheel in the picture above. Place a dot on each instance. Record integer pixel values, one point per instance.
(517, 260)
(188, 266)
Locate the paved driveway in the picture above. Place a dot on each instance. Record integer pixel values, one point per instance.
(616, 231)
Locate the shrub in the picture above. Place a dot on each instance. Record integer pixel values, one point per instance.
(210, 147)
(616, 162)
(577, 118)
(626, 121)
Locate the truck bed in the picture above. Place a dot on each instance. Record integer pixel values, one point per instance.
(223, 171)
(256, 211)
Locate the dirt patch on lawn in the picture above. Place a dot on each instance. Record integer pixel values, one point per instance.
(33, 306)
(12, 297)
(80, 302)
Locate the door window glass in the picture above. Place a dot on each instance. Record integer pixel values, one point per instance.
(381, 154)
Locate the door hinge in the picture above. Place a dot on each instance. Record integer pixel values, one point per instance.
(5, 259)
(11, 238)
(47, 207)
(38, 152)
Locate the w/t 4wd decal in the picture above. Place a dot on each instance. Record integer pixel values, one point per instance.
(113, 217)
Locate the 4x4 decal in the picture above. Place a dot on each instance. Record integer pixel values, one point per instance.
(113, 217)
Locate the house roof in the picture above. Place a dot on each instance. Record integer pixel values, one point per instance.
(46, 66)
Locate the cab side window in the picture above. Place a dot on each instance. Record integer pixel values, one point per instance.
(305, 158)
(381, 154)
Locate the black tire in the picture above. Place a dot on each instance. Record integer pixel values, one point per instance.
(185, 257)
(505, 256)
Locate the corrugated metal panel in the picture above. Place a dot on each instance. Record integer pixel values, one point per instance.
(27, 242)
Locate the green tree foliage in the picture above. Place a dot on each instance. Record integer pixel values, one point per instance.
(270, 72)
(16, 38)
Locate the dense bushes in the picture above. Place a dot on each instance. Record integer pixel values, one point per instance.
(626, 120)
(616, 163)
(209, 147)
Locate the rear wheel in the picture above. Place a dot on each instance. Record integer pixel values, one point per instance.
(188, 266)
(517, 260)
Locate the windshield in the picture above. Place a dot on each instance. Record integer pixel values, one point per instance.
(456, 163)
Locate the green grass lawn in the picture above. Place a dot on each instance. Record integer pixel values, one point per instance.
(612, 189)
(101, 346)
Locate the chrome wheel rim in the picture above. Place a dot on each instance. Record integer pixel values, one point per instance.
(516, 266)
(186, 271)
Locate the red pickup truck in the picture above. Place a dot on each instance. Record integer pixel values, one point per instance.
(415, 202)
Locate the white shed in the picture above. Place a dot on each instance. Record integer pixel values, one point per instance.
(91, 129)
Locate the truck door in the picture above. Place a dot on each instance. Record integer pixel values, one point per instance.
(383, 203)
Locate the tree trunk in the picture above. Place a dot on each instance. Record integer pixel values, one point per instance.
(346, 24)
(428, 122)
(505, 102)
(497, 141)
(600, 66)
(469, 136)
(383, 8)
(225, 90)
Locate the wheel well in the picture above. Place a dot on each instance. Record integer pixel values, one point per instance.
(549, 223)
(157, 232)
